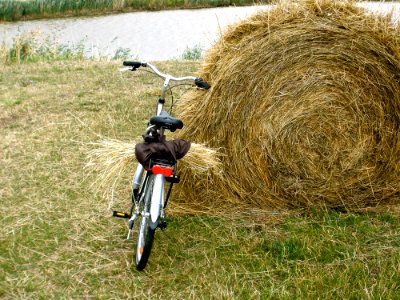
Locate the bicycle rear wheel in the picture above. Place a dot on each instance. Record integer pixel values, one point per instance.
(146, 233)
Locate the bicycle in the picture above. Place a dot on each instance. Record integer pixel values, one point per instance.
(157, 164)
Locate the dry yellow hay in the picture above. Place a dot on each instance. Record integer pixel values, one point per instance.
(305, 105)
(110, 159)
(114, 160)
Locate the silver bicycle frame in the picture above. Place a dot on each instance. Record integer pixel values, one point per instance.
(167, 78)
(137, 178)
(157, 201)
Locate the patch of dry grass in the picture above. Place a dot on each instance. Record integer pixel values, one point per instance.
(58, 241)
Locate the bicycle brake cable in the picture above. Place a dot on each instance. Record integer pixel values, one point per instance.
(172, 100)
(172, 96)
(170, 89)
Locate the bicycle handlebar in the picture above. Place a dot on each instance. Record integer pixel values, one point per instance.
(133, 64)
(201, 83)
(137, 64)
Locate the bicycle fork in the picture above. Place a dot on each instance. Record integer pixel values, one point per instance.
(157, 201)
(134, 213)
(136, 183)
(156, 211)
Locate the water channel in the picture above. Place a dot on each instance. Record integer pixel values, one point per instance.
(148, 36)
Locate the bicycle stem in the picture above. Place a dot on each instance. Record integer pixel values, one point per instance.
(161, 101)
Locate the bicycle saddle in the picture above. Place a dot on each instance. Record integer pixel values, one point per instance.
(166, 121)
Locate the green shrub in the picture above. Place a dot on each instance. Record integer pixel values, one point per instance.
(192, 53)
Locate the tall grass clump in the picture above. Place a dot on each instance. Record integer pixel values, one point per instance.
(33, 47)
(193, 53)
(305, 105)
(12, 10)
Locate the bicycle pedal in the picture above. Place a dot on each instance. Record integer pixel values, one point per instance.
(162, 225)
(121, 214)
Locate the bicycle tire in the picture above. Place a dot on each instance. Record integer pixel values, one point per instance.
(146, 233)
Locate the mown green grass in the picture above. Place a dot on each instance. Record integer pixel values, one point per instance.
(58, 241)
(13, 10)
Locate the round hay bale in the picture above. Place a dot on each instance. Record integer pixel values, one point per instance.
(305, 107)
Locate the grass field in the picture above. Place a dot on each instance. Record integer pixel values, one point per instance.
(14, 10)
(58, 241)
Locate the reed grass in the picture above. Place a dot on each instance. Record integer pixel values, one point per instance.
(33, 47)
(13, 10)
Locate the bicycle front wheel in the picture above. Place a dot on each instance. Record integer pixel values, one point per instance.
(146, 233)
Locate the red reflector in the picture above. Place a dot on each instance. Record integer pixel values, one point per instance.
(166, 171)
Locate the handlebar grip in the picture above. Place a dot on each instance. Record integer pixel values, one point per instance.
(133, 64)
(201, 83)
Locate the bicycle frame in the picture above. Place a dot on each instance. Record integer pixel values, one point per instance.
(148, 182)
(137, 178)
(157, 201)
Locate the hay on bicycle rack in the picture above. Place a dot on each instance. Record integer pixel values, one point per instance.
(305, 105)
(113, 161)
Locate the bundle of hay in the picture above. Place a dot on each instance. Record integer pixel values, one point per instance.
(113, 161)
(305, 103)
